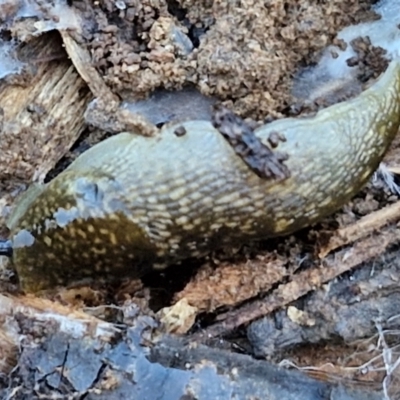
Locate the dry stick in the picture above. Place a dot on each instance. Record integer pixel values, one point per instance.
(303, 283)
(81, 59)
(107, 102)
(362, 228)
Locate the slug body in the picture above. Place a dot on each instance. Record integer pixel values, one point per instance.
(132, 203)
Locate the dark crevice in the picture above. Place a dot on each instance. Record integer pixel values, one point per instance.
(164, 284)
(175, 9)
(5, 35)
(194, 31)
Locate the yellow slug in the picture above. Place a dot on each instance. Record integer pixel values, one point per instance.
(132, 203)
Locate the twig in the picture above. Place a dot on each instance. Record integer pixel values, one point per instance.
(301, 284)
(362, 228)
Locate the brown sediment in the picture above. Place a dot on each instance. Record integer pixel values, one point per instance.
(243, 53)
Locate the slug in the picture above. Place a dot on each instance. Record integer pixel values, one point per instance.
(133, 203)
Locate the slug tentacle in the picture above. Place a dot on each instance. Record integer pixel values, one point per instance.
(258, 157)
(132, 202)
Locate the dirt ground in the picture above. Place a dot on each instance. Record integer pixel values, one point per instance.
(328, 304)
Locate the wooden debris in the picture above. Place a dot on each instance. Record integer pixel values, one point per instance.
(302, 283)
(364, 227)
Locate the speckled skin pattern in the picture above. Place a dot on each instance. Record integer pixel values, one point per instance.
(132, 203)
